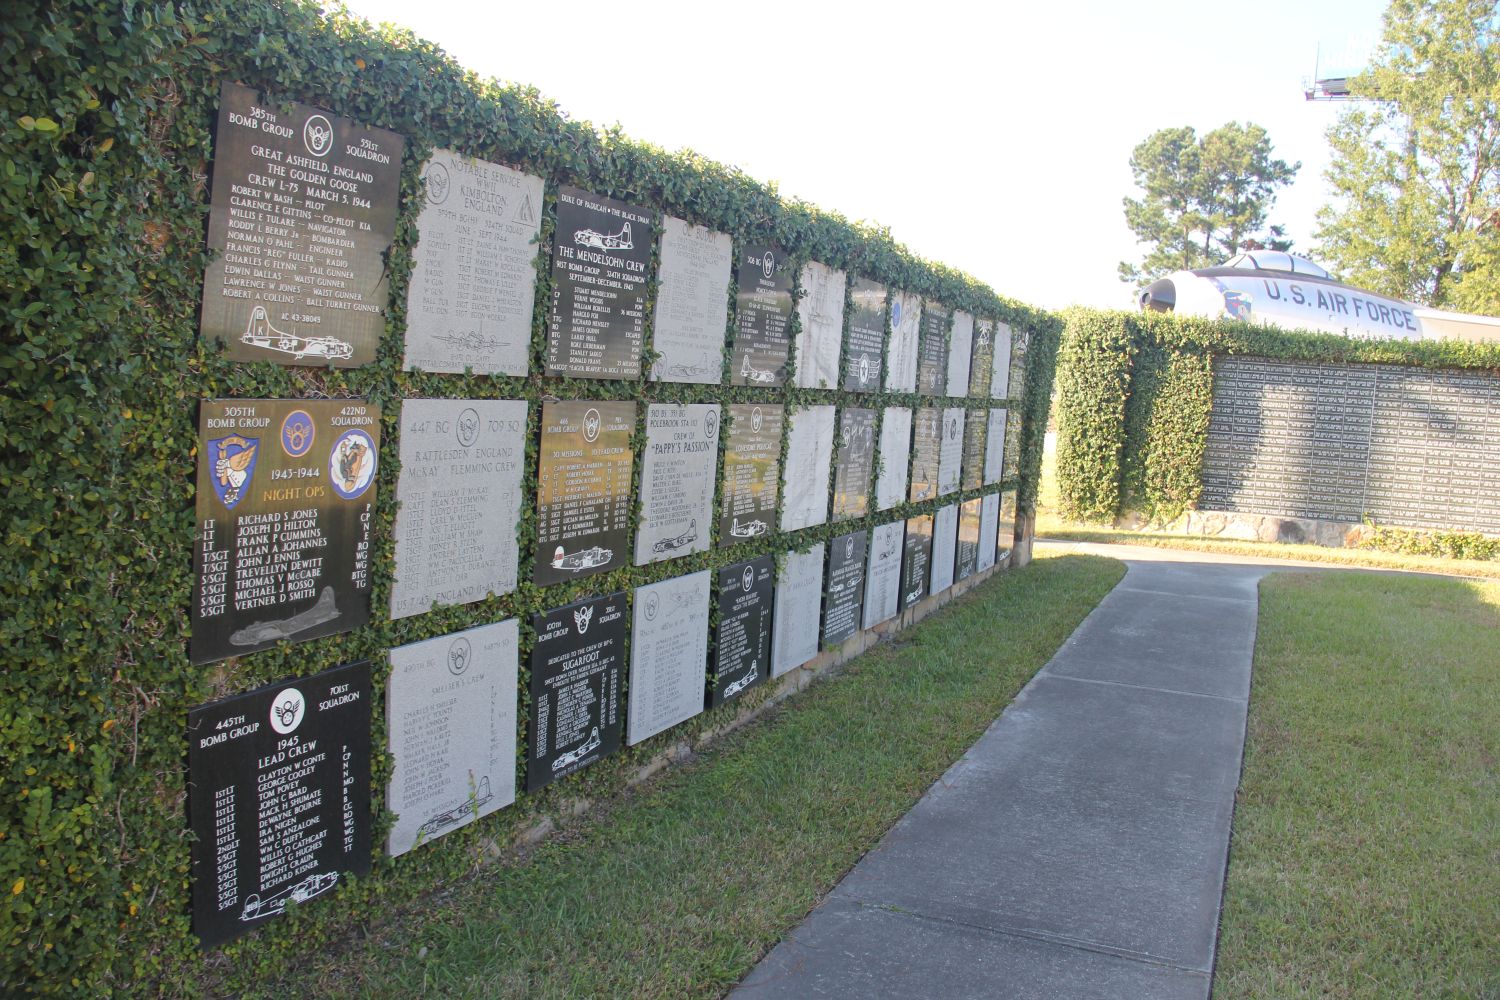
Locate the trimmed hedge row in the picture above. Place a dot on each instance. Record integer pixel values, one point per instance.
(107, 113)
(1135, 392)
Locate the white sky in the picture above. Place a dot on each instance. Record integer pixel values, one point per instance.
(994, 140)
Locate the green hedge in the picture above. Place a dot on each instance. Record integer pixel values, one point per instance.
(1135, 392)
(107, 113)
(1093, 384)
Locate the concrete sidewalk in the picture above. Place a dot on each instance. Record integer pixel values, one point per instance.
(1078, 849)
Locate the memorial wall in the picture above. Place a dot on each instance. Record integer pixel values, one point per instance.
(287, 488)
(1230, 429)
(1406, 446)
(460, 463)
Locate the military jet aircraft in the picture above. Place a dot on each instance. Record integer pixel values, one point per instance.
(1281, 289)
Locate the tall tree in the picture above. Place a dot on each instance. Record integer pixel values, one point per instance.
(1416, 165)
(1204, 199)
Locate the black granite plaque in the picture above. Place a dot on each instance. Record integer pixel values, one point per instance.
(846, 587)
(742, 640)
(975, 422)
(279, 797)
(751, 472)
(966, 552)
(864, 346)
(981, 365)
(302, 210)
(932, 351)
(854, 464)
(762, 338)
(286, 491)
(927, 439)
(916, 558)
(600, 256)
(583, 489)
(576, 666)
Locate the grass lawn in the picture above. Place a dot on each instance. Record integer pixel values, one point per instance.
(1366, 851)
(1056, 530)
(680, 890)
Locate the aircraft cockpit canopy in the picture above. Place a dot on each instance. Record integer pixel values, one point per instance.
(1276, 260)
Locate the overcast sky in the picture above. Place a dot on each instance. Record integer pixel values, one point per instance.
(994, 140)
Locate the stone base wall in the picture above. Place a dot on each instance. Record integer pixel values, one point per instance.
(1252, 528)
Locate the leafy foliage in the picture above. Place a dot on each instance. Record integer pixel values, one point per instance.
(107, 112)
(1093, 383)
(1166, 432)
(1204, 199)
(1135, 392)
(1416, 170)
(1441, 544)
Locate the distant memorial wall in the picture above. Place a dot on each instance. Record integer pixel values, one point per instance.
(1414, 447)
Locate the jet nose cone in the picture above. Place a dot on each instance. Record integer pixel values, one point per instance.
(1159, 296)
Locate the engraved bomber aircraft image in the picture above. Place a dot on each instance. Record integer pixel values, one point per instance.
(260, 333)
(750, 373)
(466, 809)
(313, 885)
(579, 752)
(747, 530)
(323, 611)
(586, 559)
(599, 241)
(744, 682)
(688, 537)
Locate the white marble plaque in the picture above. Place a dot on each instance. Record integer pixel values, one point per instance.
(1000, 374)
(994, 447)
(895, 457)
(883, 575)
(460, 500)
(951, 450)
(944, 546)
(450, 710)
(668, 654)
(821, 311)
(809, 453)
(989, 528)
(901, 356)
(677, 481)
(692, 303)
(473, 269)
(799, 601)
(960, 350)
